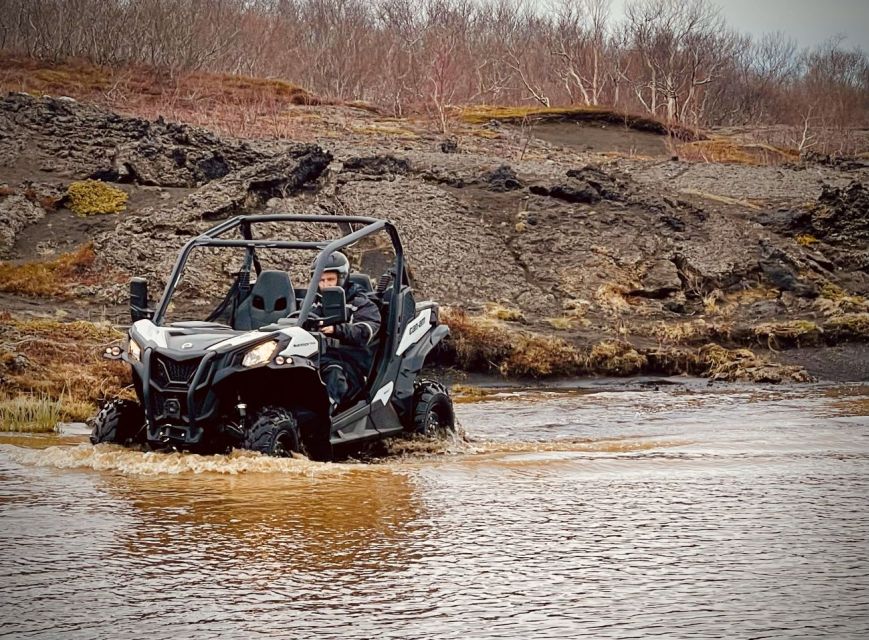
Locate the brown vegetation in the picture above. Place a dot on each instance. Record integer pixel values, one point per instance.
(675, 61)
(584, 113)
(731, 151)
(799, 333)
(50, 361)
(57, 277)
(480, 343)
(235, 104)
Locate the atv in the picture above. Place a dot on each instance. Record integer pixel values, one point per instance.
(244, 373)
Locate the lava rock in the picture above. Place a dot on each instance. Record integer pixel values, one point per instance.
(502, 179)
(661, 280)
(378, 165)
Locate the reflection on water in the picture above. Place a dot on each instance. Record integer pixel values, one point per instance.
(681, 513)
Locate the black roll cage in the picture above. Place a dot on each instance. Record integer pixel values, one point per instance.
(211, 238)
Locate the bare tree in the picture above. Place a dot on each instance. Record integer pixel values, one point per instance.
(673, 59)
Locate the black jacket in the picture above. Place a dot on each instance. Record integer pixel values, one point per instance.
(359, 335)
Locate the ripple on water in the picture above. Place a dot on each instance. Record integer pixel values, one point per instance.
(628, 516)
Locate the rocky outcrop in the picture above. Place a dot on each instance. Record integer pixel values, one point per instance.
(64, 136)
(16, 212)
(589, 252)
(842, 214)
(154, 235)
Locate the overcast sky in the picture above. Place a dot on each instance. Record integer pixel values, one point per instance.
(807, 21)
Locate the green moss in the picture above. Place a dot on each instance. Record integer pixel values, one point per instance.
(90, 197)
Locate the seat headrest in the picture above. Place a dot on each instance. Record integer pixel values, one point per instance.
(271, 298)
(361, 280)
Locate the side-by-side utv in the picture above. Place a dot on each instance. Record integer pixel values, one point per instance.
(245, 372)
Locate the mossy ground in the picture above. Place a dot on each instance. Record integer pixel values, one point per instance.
(91, 197)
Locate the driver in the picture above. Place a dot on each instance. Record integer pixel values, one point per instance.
(344, 368)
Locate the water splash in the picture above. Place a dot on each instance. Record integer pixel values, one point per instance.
(108, 457)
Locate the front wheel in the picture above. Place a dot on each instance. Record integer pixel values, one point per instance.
(119, 422)
(274, 432)
(433, 414)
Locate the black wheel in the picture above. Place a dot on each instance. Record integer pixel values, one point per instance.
(433, 414)
(119, 421)
(274, 432)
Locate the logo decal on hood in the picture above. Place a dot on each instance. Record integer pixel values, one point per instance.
(187, 345)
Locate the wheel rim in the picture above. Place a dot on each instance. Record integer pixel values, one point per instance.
(433, 425)
(437, 422)
(284, 445)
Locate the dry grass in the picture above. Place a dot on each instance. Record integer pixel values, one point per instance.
(681, 332)
(806, 240)
(31, 412)
(56, 277)
(485, 344)
(719, 198)
(507, 314)
(533, 355)
(612, 298)
(849, 326)
(729, 151)
(388, 130)
(561, 323)
(60, 362)
(835, 301)
(743, 365)
(90, 197)
(615, 357)
(798, 333)
(235, 105)
(596, 114)
(751, 295)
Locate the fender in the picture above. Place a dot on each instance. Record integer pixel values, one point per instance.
(411, 364)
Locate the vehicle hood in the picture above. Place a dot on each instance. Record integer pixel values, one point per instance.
(183, 337)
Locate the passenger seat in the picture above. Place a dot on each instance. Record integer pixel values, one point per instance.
(271, 299)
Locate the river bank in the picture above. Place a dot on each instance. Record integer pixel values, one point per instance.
(558, 248)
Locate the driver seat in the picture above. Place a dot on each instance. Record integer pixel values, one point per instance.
(271, 298)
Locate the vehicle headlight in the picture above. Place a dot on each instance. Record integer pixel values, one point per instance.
(135, 350)
(259, 354)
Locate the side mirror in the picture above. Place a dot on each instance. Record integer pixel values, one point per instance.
(139, 300)
(334, 303)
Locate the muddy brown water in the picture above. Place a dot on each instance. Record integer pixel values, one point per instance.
(681, 512)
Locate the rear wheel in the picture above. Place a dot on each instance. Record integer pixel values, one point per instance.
(274, 432)
(433, 414)
(120, 422)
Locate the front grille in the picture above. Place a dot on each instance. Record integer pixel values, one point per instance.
(167, 371)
